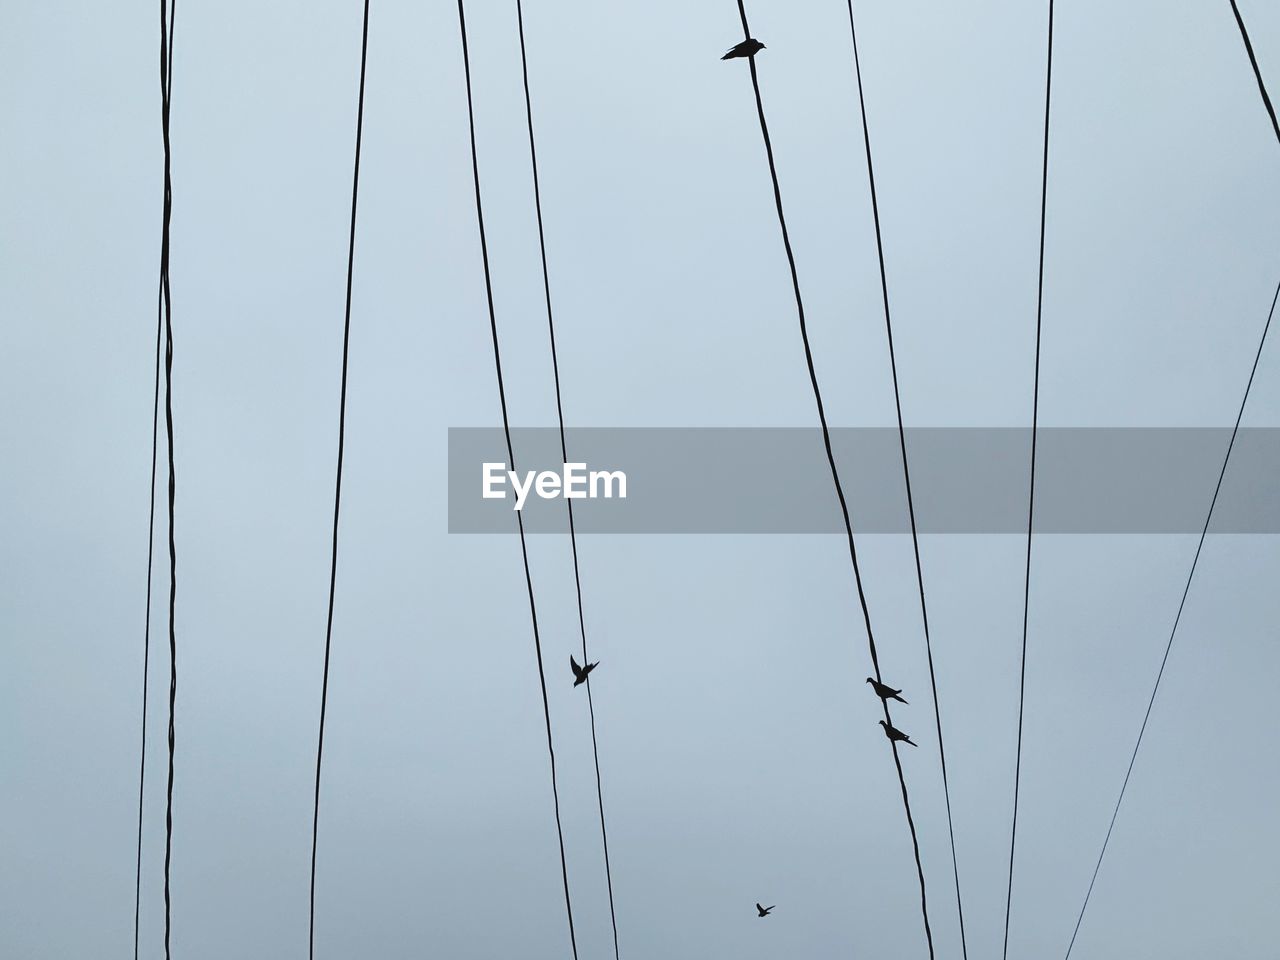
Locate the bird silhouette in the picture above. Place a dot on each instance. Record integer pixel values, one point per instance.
(885, 692)
(747, 48)
(893, 733)
(580, 673)
(763, 911)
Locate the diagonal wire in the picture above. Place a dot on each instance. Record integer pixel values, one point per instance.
(506, 429)
(831, 461)
(1031, 494)
(1257, 73)
(146, 630)
(1172, 633)
(906, 471)
(564, 451)
(337, 486)
(1266, 100)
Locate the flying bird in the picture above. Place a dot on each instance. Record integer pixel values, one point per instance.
(747, 48)
(885, 692)
(580, 673)
(893, 733)
(763, 911)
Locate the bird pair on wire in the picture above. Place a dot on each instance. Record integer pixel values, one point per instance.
(886, 692)
(746, 50)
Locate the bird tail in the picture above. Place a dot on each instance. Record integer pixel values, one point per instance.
(910, 741)
(728, 56)
(899, 699)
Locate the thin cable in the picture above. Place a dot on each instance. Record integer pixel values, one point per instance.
(1266, 101)
(506, 429)
(564, 451)
(1031, 493)
(146, 630)
(1172, 633)
(166, 75)
(168, 13)
(831, 461)
(337, 486)
(906, 472)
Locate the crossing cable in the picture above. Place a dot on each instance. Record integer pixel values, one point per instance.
(168, 11)
(1172, 633)
(906, 471)
(166, 74)
(1266, 100)
(564, 451)
(1031, 492)
(831, 461)
(506, 430)
(146, 630)
(337, 486)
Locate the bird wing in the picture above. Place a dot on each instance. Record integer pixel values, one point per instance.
(573, 664)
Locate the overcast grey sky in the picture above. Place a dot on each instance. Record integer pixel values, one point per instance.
(740, 755)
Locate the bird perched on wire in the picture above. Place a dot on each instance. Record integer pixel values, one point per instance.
(885, 692)
(763, 911)
(747, 48)
(580, 673)
(893, 733)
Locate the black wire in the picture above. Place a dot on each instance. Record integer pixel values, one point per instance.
(1257, 73)
(906, 472)
(506, 429)
(831, 461)
(1031, 495)
(173, 645)
(166, 76)
(168, 13)
(1266, 100)
(337, 486)
(146, 631)
(564, 451)
(1172, 633)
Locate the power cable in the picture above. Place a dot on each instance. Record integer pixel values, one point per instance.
(1266, 101)
(506, 430)
(337, 487)
(906, 473)
(151, 526)
(1176, 620)
(564, 451)
(1257, 73)
(1031, 493)
(835, 473)
(168, 13)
